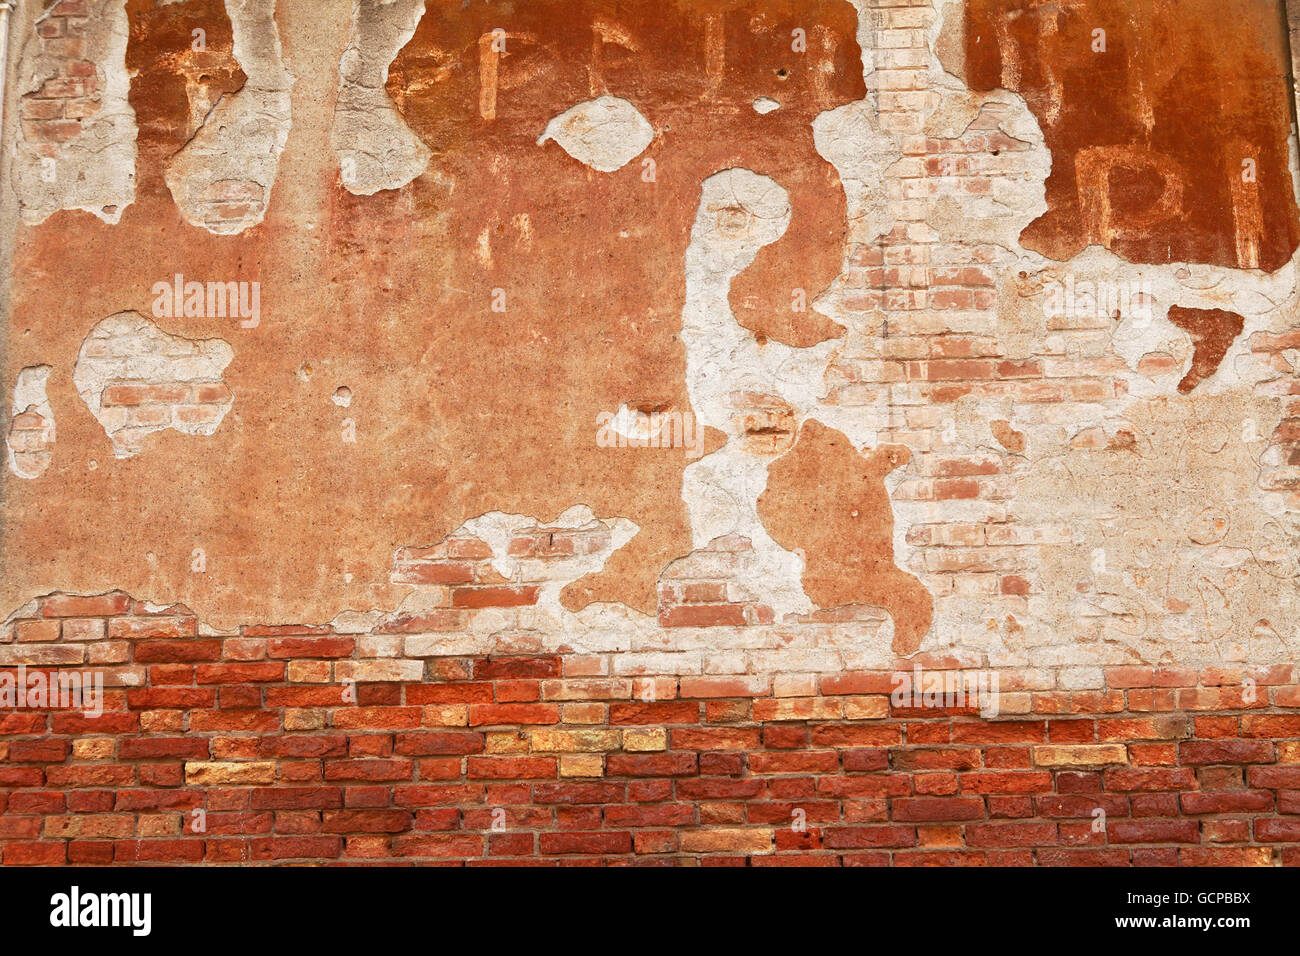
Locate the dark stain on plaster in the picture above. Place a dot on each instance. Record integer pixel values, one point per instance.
(1212, 331)
(1150, 136)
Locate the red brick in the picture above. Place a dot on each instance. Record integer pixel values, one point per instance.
(1011, 834)
(703, 615)
(1123, 779)
(586, 843)
(366, 821)
(1153, 831)
(505, 668)
(651, 765)
(938, 809)
(153, 747)
(296, 848)
(1196, 752)
(500, 714)
(309, 647)
(100, 605)
(1241, 801)
(500, 596)
(512, 768)
(173, 652)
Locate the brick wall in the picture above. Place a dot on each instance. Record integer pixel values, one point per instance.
(470, 726)
(294, 749)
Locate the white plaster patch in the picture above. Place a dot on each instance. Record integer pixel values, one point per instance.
(547, 624)
(740, 211)
(496, 530)
(222, 178)
(850, 139)
(136, 379)
(375, 147)
(765, 104)
(91, 168)
(31, 429)
(606, 133)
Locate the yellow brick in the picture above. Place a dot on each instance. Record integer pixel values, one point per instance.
(583, 713)
(582, 765)
(305, 719)
(1288, 751)
(92, 748)
(940, 836)
(108, 652)
(794, 685)
(727, 841)
(506, 742)
(645, 740)
(309, 672)
(574, 741)
(866, 708)
(654, 688)
(375, 671)
(157, 825)
(1015, 703)
(446, 715)
(799, 708)
(1080, 755)
(89, 825)
(155, 721)
(210, 772)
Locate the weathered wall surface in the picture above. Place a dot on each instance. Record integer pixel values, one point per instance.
(386, 376)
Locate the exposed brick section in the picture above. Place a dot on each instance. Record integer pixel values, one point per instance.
(293, 751)
(31, 440)
(57, 111)
(1280, 471)
(137, 379)
(939, 342)
(700, 591)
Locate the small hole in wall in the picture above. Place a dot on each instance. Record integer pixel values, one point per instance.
(997, 152)
(783, 73)
(342, 396)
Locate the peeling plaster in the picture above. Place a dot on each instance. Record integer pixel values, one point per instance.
(1166, 145)
(83, 159)
(136, 380)
(1121, 458)
(605, 133)
(376, 149)
(222, 178)
(1267, 302)
(31, 435)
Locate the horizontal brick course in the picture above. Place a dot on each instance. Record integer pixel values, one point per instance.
(506, 759)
